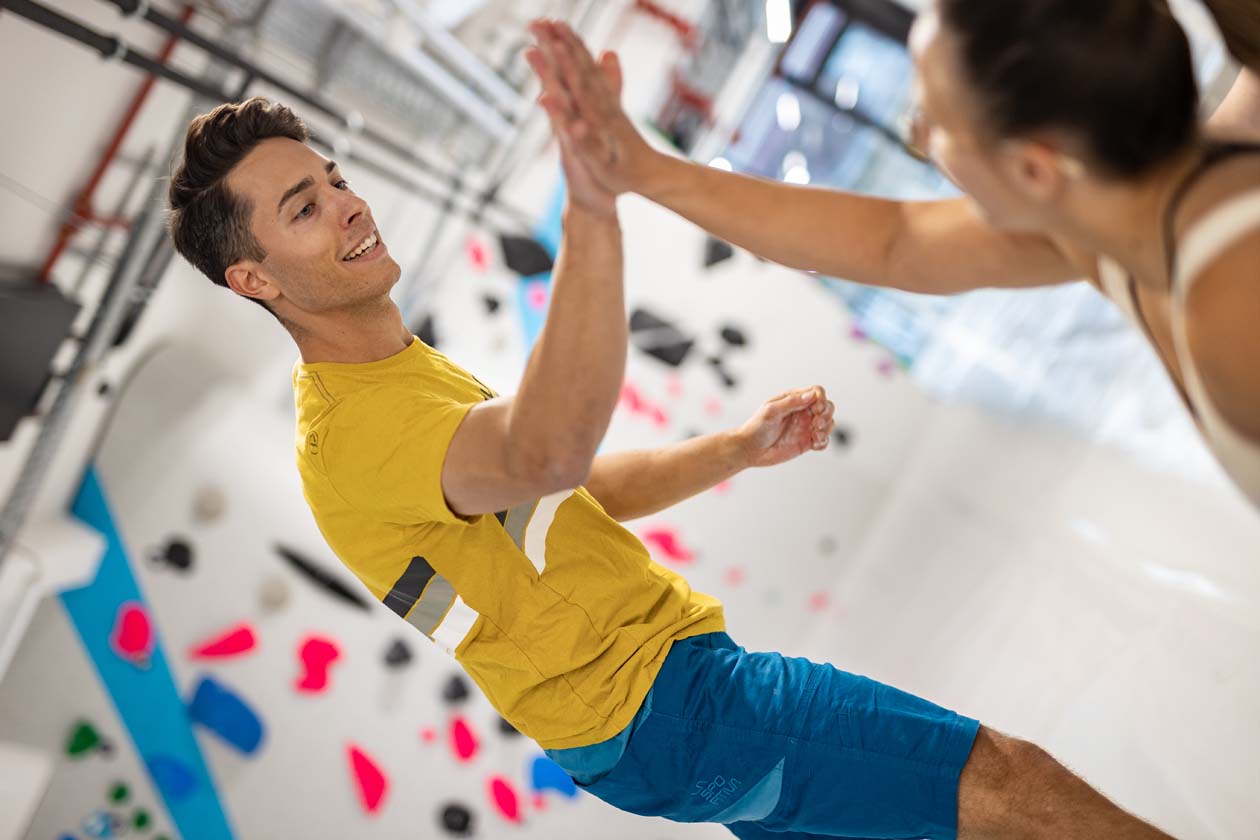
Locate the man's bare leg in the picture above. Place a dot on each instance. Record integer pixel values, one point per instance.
(1014, 790)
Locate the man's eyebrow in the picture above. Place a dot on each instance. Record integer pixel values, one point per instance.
(304, 184)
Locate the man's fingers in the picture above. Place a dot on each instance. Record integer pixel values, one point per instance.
(783, 404)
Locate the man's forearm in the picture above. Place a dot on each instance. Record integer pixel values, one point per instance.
(574, 374)
(633, 484)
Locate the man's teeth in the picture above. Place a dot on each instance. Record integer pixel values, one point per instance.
(365, 246)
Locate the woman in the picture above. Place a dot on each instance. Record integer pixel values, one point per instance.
(1071, 126)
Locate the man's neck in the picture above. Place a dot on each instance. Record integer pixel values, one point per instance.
(352, 338)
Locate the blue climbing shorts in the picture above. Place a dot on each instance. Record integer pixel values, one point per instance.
(780, 748)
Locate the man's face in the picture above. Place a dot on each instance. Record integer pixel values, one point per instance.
(309, 223)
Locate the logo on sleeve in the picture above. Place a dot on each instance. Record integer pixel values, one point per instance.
(312, 443)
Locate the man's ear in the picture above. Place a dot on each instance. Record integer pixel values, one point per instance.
(247, 279)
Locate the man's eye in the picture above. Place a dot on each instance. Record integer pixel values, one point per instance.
(305, 211)
(343, 184)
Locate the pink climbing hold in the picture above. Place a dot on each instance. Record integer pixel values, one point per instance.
(857, 333)
(477, 254)
(668, 543)
(372, 782)
(132, 636)
(886, 367)
(463, 742)
(540, 802)
(722, 487)
(673, 386)
(505, 799)
(536, 294)
(233, 642)
(638, 405)
(713, 406)
(818, 601)
(317, 654)
(428, 735)
(735, 576)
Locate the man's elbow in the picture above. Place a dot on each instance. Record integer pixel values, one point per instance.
(554, 472)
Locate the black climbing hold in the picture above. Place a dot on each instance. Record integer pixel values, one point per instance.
(734, 336)
(659, 338)
(716, 251)
(427, 331)
(842, 437)
(491, 303)
(507, 729)
(323, 579)
(524, 255)
(398, 654)
(728, 381)
(455, 690)
(177, 554)
(457, 820)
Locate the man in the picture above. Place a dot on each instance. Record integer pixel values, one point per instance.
(490, 525)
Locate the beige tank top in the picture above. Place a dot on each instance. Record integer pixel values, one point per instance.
(1207, 240)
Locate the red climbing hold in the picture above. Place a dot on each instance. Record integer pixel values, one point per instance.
(233, 642)
(317, 655)
(463, 742)
(667, 542)
(372, 782)
(132, 638)
(505, 800)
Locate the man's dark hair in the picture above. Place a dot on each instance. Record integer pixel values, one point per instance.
(208, 222)
(1117, 74)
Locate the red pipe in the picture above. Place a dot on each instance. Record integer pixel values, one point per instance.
(685, 29)
(82, 210)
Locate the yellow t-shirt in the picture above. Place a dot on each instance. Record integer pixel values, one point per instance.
(557, 612)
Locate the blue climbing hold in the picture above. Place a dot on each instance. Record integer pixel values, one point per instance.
(547, 775)
(172, 776)
(224, 713)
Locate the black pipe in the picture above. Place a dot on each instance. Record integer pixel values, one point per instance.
(110, 46)
(314, 100)
(107, 45)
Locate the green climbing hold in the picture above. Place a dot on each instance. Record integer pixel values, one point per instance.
(83, 739)
(141, 819)
(118, 793)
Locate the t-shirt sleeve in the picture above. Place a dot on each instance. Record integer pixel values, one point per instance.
(384, 450)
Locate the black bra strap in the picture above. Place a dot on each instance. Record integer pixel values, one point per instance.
(1216, 153)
